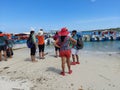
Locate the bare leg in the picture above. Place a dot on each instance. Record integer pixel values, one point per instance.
(59, 53)
(56, 53)
(43, 55)
(63, 64)
(73, 57)
(10, 52)
(77, 57)
(68, 64)
(40, 55)
(5, 55)
(0, 56)
(69, 67)
(33, 58)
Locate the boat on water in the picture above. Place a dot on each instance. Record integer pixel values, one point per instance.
(21, 38)
(95, 36)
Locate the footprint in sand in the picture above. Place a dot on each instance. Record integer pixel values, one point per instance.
(1, 71)
(72, 84)
(15, 72)
(8, 72)
(17, 89)
(110, 54)
(109, 84)
(6, 67)
(113, 85)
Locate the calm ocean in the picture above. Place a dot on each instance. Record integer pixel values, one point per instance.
(106, 46)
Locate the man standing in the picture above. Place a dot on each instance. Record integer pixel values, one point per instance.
(74, 49)
(3, 44)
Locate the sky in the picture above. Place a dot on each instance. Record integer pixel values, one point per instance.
(18, 16)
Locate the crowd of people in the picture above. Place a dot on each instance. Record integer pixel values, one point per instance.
(65, 44)
(6, 44)
(65, 47)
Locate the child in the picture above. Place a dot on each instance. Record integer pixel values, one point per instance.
(65, 51)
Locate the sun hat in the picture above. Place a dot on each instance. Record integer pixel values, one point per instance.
(63, 32)
(40, 33)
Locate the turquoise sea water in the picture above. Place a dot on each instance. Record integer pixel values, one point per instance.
(106, 46)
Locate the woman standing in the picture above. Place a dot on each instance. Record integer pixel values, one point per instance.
(65, 51)
(41, 44)
(33, 48)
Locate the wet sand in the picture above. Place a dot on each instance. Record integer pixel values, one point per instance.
(97, 71)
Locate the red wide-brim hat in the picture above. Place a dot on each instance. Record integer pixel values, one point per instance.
(63, 32)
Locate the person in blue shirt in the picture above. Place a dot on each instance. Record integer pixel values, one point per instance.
(74, 49)
(3, 45)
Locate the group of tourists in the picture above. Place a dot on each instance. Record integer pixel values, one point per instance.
(34, 44)
(66, 45)
(6, 44)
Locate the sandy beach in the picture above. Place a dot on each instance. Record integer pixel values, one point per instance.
(97, 71)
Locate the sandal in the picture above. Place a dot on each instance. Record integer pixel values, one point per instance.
(70, 72)
(73, 63)
(62, 73)
(77, 62)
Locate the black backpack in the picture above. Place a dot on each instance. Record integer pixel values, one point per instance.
(80, 43)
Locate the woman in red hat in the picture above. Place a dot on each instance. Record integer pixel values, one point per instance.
(65, 52)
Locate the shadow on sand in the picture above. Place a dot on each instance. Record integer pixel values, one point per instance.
(28, 60)
(52, 69)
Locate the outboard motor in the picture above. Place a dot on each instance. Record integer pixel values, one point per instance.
(111, 38)
(97, 38)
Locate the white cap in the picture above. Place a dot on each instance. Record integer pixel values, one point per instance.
(40, 33)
